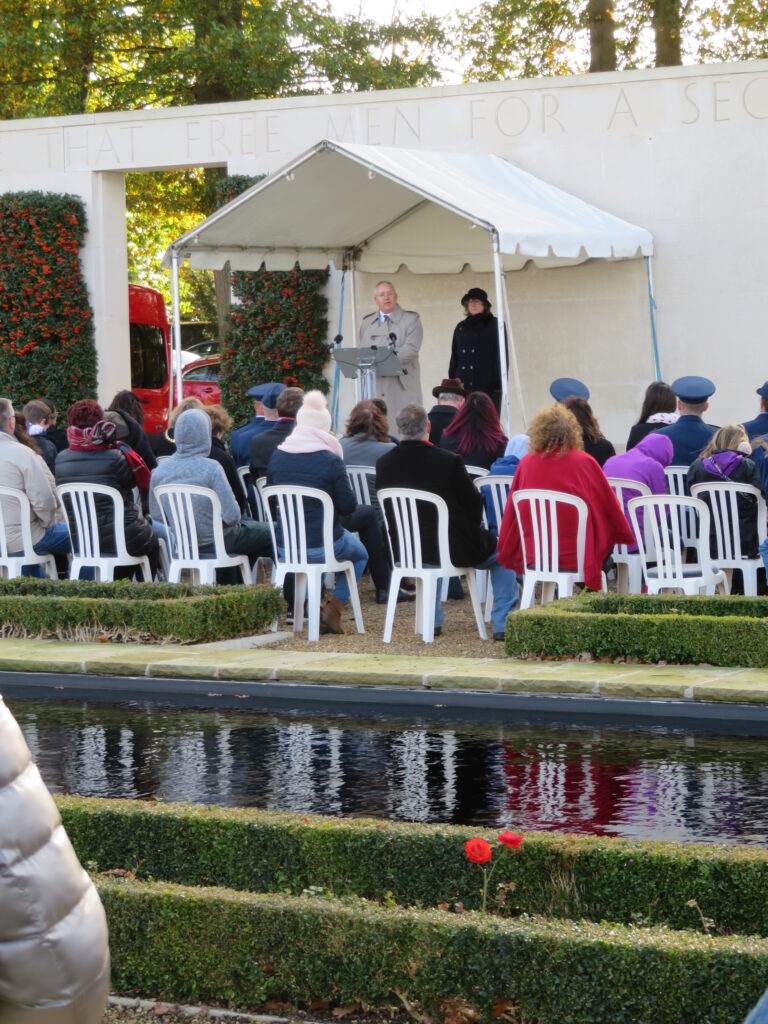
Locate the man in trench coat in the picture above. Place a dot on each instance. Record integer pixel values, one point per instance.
(401, 329)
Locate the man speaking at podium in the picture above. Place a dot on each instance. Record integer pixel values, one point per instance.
(400, 330)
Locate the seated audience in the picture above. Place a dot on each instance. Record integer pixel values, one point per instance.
(759, 425)
(556, 462)
(645, 463)
(93, 456)
(22, 468)
(727, 458)
(37, 416)
(450, 394)
(221, 422)
(312, 457)
(128, 405)
(366, 440)
(264, 406)
(56, 434)
(381, 405)
(475, 433)
(659, 410)
(417, 464)
(192, 465)
(287, 404)
(595, 443)
(507, 463)
(166, 445)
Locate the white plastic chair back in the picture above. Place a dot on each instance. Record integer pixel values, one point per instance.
(177, 507)
(80, 505)
(494, 490)
(676, 484)
(662, 518)
(252, 494)
(477, 471)
(721, 496)
(358, 477)
(629, 565)
(285, 507)
(400, 506)
(11, 562)
(542, 564)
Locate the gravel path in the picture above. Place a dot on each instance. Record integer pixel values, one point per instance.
(459, 636)
(142, 1011)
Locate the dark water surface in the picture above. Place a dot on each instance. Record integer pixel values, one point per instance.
(650, 783)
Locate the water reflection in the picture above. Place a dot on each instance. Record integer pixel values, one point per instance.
(644, 784)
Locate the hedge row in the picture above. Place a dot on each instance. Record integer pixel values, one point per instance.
(424, 865)
(686, 630)
(126, 610)
(184, 944)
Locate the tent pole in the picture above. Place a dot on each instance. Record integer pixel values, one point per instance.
(653, 307)
(515, 368)
(353, 308)
(497, 275)
(176, 357)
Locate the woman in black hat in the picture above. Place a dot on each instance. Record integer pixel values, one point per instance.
(475, 349)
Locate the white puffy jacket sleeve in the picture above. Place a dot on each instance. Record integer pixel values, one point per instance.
(54, 952)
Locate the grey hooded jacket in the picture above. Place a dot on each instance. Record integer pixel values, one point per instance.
(191, 465)
(54, 953)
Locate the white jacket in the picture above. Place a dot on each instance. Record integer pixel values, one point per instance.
(54, 952)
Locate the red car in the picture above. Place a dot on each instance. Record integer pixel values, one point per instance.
(201, 379)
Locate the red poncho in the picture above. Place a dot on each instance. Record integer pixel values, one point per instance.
(573, 473)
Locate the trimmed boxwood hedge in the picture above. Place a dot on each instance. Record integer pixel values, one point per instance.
(212, 944)
(423, 865)
(687, 630)
(124, 610)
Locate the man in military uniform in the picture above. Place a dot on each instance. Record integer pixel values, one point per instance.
(399, 329)
(690, 435)
(568, 387)
(264, 406)
(759, 425)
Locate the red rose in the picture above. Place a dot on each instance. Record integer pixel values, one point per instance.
(477, 850)
(511, 839)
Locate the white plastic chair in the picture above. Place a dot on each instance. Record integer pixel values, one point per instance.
(542, 565)
(11, 563)
(662, 516)
(722, 498)
(629, 564)
(287, 521)
(477, 471)
(177, 507)
(494, 489)
(676, 484)
(358, 477)
(80, 501)
(400, 505)
(252, 494)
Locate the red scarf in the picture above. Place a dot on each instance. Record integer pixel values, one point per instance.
(100, 437)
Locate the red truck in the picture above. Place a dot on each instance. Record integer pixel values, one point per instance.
(151, 361)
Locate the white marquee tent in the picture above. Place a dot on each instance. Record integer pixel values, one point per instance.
(376, 209)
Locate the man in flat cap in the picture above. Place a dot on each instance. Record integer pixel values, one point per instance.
(450, 395)
(401, 330)
(759, 425)
(690, 435)
(568, 387)
(265, 408)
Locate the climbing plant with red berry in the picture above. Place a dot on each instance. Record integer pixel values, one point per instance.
(46, 324)
(277, 327)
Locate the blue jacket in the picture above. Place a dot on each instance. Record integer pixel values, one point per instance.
(689, 437)
(757, 427)
(240, 439)
(322, 470)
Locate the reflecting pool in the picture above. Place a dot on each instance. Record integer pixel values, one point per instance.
(649, 783)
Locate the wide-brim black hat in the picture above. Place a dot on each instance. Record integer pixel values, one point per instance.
(476, 293)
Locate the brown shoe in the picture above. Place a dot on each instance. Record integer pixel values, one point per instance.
(330, 616)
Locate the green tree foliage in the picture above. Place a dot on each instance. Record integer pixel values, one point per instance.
(46, 326)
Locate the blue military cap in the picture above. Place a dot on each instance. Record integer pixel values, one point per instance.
(568, 387)
(266, 393)
(763, 391)
(693, 390)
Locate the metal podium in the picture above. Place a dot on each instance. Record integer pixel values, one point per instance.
(365, 365)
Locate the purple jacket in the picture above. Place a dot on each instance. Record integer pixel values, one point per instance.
(644, 463)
